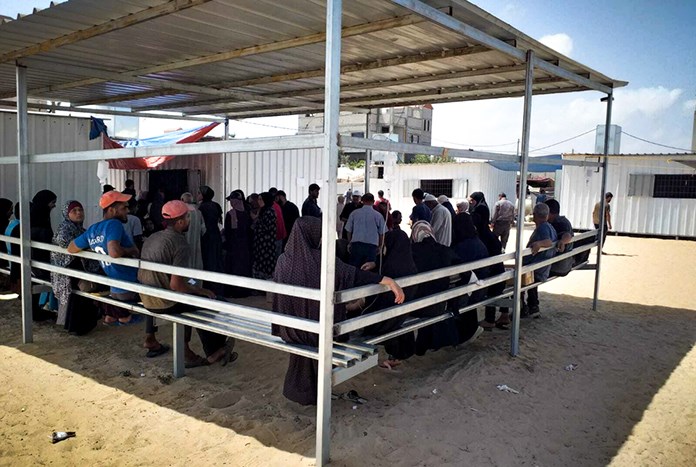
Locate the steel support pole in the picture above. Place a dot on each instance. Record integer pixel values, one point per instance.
(521, 198)
(224, 161)
(24, 197)
(603, 200)
(368, 153)
(328, 249)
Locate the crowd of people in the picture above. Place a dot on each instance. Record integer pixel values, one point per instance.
(266, 236)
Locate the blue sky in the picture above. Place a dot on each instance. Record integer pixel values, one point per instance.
(650, 44)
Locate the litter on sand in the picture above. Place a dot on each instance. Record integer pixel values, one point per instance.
(506, 388)
(571, 367)
(59, 436)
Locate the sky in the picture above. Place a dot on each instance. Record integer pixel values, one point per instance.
(650, 44)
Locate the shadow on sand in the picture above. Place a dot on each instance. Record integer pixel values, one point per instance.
(441, 408)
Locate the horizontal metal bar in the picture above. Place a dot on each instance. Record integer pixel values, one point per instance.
(557, 258)
(360, 322)
(218, 277)
(12, 258)
(379, 145)
(348, 295)
(238, 310)
(275, 143)
(339, 375)
(6, 160)
(569, 75)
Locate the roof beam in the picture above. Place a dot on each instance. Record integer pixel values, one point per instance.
(162, 84)
(349, 31)
(148, 14)
(453, 24)
(425, 96)
(319, 91)
(128, 97)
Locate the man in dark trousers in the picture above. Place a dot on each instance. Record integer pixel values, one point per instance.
(290, 211)
(170, 247)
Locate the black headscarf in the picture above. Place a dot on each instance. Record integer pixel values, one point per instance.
(480, 218)
(462, 228)
(5, 213)
(398, 260)
(479, 197)
(267, 201)
(206, 192)
(40, 214)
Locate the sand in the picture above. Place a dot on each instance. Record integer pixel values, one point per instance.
(630, 401)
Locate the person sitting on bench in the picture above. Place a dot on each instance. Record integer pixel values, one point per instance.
(543, 236)
(169, 246)
(108, 237)
(300, 264)
(564, 231)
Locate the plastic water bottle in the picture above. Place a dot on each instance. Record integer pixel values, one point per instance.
(59, 436)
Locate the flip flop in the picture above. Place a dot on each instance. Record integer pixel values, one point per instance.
(200, 361)
(229, 357)
(162, 349)
(353, 396)
(135, 319)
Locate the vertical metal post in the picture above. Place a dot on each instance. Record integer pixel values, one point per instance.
(368, 153)
(602, 201)
(328, 249)
(24, 197)
(521, 198)
(225, 188)
(178, 338)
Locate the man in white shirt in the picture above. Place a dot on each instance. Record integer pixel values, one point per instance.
(503, 216)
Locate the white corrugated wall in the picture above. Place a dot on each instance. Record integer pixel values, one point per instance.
(69, 180)
(467, 177)
(630, 214)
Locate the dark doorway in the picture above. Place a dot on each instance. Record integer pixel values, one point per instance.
(173, 182)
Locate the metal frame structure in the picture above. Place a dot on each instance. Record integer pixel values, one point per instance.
(512, 52)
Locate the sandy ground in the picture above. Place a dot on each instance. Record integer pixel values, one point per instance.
(631, 400)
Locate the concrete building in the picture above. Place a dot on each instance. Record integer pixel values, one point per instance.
(410, 124)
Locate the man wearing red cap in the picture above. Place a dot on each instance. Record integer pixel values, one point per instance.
(108, 237)
(170, 247)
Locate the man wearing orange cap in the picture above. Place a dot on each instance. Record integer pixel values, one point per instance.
(108, 237)
(170, 247)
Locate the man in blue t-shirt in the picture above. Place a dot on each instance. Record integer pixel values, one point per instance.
(543, 236)
(109, 238)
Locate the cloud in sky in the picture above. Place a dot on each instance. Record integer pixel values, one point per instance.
(560, 42)
(653, 113)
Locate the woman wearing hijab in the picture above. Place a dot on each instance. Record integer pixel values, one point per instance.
(237, 243)
(264, 239)
(300, 265)
(428, 256)
(477, 205)
(77, 314)
(494, 248)
(396, 262)
(41, 231)
(211, 241)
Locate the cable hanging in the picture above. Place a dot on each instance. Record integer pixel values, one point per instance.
(656, 144)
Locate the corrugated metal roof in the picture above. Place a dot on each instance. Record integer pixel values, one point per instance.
(245, 58)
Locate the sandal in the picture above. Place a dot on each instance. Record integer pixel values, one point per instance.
(487, 326)
(162, 349)
(353, 396)
(390, 364)
(135, 319)
(199, 361)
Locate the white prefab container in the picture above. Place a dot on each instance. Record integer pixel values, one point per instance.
(634, 208)
(253, 172)
(465, 177)
(68, 180)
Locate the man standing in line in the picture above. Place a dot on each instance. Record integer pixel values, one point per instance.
(503, 215)
(564, 231)
(109, 238)
(290, 211)
(382, 199)
(366, 228)
(350, 207)
(441, 220)
(169, 246)
(420, 211)
(607, 217)
(310, 206)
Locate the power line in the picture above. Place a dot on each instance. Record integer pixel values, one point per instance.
(656, 144)
(249, 122)
(564, 141)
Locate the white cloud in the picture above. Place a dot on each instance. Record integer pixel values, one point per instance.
(690, 106)
(561, 43)
(655, 113)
